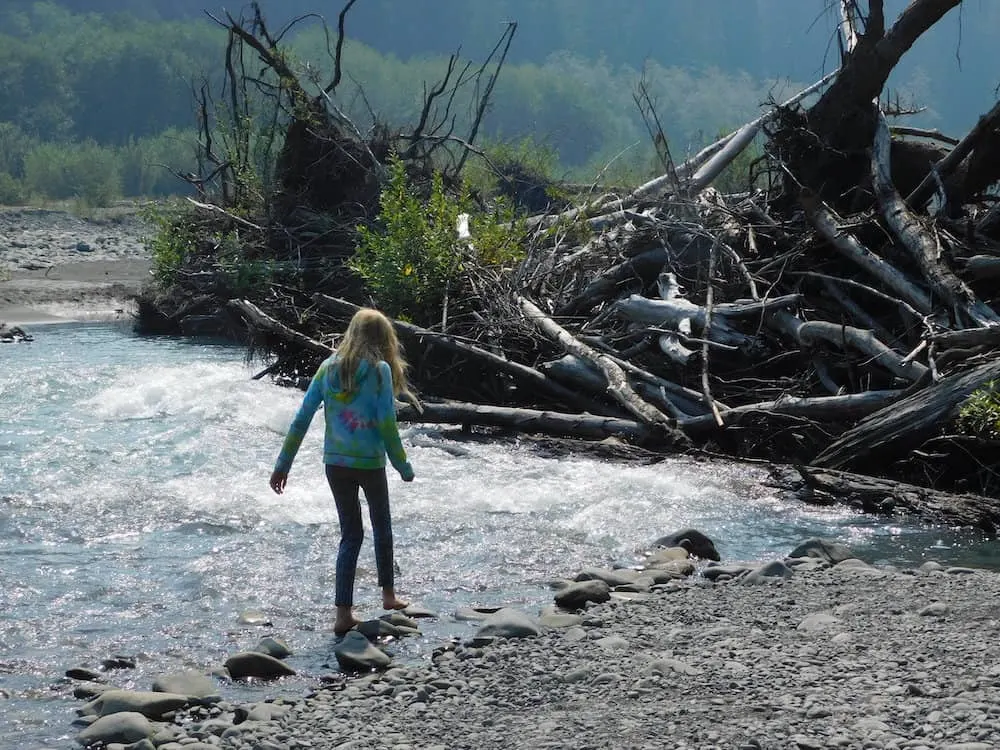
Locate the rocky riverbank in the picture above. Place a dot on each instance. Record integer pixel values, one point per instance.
(819, 650)
(55, 265)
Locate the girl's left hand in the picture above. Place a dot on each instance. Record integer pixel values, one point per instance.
(278, 481)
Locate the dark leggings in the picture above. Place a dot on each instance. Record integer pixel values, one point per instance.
(345, 483)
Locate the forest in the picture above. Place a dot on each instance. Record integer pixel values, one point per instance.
(97, 98)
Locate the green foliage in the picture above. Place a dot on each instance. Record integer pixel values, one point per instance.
(84, 171)
(12, 192)
(174, 239)
(245, 277)
(979, 415)
(412, 257)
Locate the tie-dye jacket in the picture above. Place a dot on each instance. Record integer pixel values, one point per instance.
(360, 424)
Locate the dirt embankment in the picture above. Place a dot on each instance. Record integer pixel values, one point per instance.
(55, 265)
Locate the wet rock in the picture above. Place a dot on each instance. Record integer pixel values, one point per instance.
(255, 664)
(275, 647)
(695, 542)
(118, 662)
(773, 571)
(474, 614)
(375, 629)
(577, 595)
(724, 572)
(355, 653)
(191, 683)
(823, 549)
(254, 617)
(610, 577)
(508, 623)
(125, 727)
(666, 555)
(418, 611)
(149, 704)
(85, 674)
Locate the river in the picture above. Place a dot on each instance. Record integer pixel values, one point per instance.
(135, 520)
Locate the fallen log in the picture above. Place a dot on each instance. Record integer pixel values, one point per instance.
(808, 333)
(643, 268)
(261, 320)
(888, 498)
(618, 387)
(845, 408)
(924, 250)
(890, 433)
(584, 426)
(528, 375)
(829, 226)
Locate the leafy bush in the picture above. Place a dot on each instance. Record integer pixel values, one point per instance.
(78, 170)
(12, 192)
(411, 258)
(979, 415)
(174, 238)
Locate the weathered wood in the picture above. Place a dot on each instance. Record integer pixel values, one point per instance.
(261, 320)
(970, 337)
(584, 426)
(924, 250)
(888, 498)
(845, 408)
(829, 226)
(966, 146)
(981, 267)
(618, 387)
(523, 373)
(642, 268)
(808, 333)
(890, 433)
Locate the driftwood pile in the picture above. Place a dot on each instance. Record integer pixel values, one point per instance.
(834, 316)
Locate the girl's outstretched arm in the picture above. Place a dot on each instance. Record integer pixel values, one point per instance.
(300, 425)
(387, 426)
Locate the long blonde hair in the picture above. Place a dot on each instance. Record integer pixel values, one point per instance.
(370, 337)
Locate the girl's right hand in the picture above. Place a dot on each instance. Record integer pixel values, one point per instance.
(278, 481)
(406, 473)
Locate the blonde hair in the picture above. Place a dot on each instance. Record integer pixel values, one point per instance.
(370, 337)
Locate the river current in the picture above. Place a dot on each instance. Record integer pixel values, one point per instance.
(135, 520)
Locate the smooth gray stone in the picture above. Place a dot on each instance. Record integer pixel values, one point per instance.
(508, 623)
(354, 652)
(254, 617)
(150, 704)
(272, 646)
(714, 572)
(817, 621)
(695, 542)
(265, 711)
(191, 683)
(610, 577)
(256, 664)
(85, 674)
(773, 571)
(417, 611)
(474, 614)
(400, 620)
(937, 609)
(124, 727)
(959, 570)
(823, 549)
(374, 629)
(577, 595)
(559, 620)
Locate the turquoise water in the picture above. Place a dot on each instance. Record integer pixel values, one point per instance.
(135, 519)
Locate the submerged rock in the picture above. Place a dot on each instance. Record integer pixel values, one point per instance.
(695, 542)
(355, 653)
(192, 684)
(150, 704)
(255, 664)
(822, 549)
(577, 595)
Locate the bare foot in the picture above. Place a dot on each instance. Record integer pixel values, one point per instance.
(394, 603)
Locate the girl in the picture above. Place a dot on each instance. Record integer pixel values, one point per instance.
(357, 386)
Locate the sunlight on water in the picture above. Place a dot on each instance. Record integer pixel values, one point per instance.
(135, 517)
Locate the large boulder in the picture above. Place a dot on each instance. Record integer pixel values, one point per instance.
(126, 727)
(151, 704)
(577, 595)
(508, 623)
(193, 684)
(696, 543)
(822, 549)
(255, 664)
(355, 653)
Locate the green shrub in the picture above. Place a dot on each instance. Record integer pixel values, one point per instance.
(174, 238)
(12, 192)
(979, 415)
(84, 171)
(410, 259)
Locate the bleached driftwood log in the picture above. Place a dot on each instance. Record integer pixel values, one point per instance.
(923, 248)
(262, 321)
(523, 373)
(618, 387)
(583, 426)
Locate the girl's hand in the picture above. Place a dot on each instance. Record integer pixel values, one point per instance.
(406, 473)
(278, 481)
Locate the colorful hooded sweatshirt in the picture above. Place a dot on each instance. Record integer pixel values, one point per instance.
(360, 424)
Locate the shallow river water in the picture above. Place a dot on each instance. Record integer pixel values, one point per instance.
(135, 520)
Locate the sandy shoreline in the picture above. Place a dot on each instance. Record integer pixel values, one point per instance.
(56, 267)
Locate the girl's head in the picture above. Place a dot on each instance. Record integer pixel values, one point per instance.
(370, 336)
